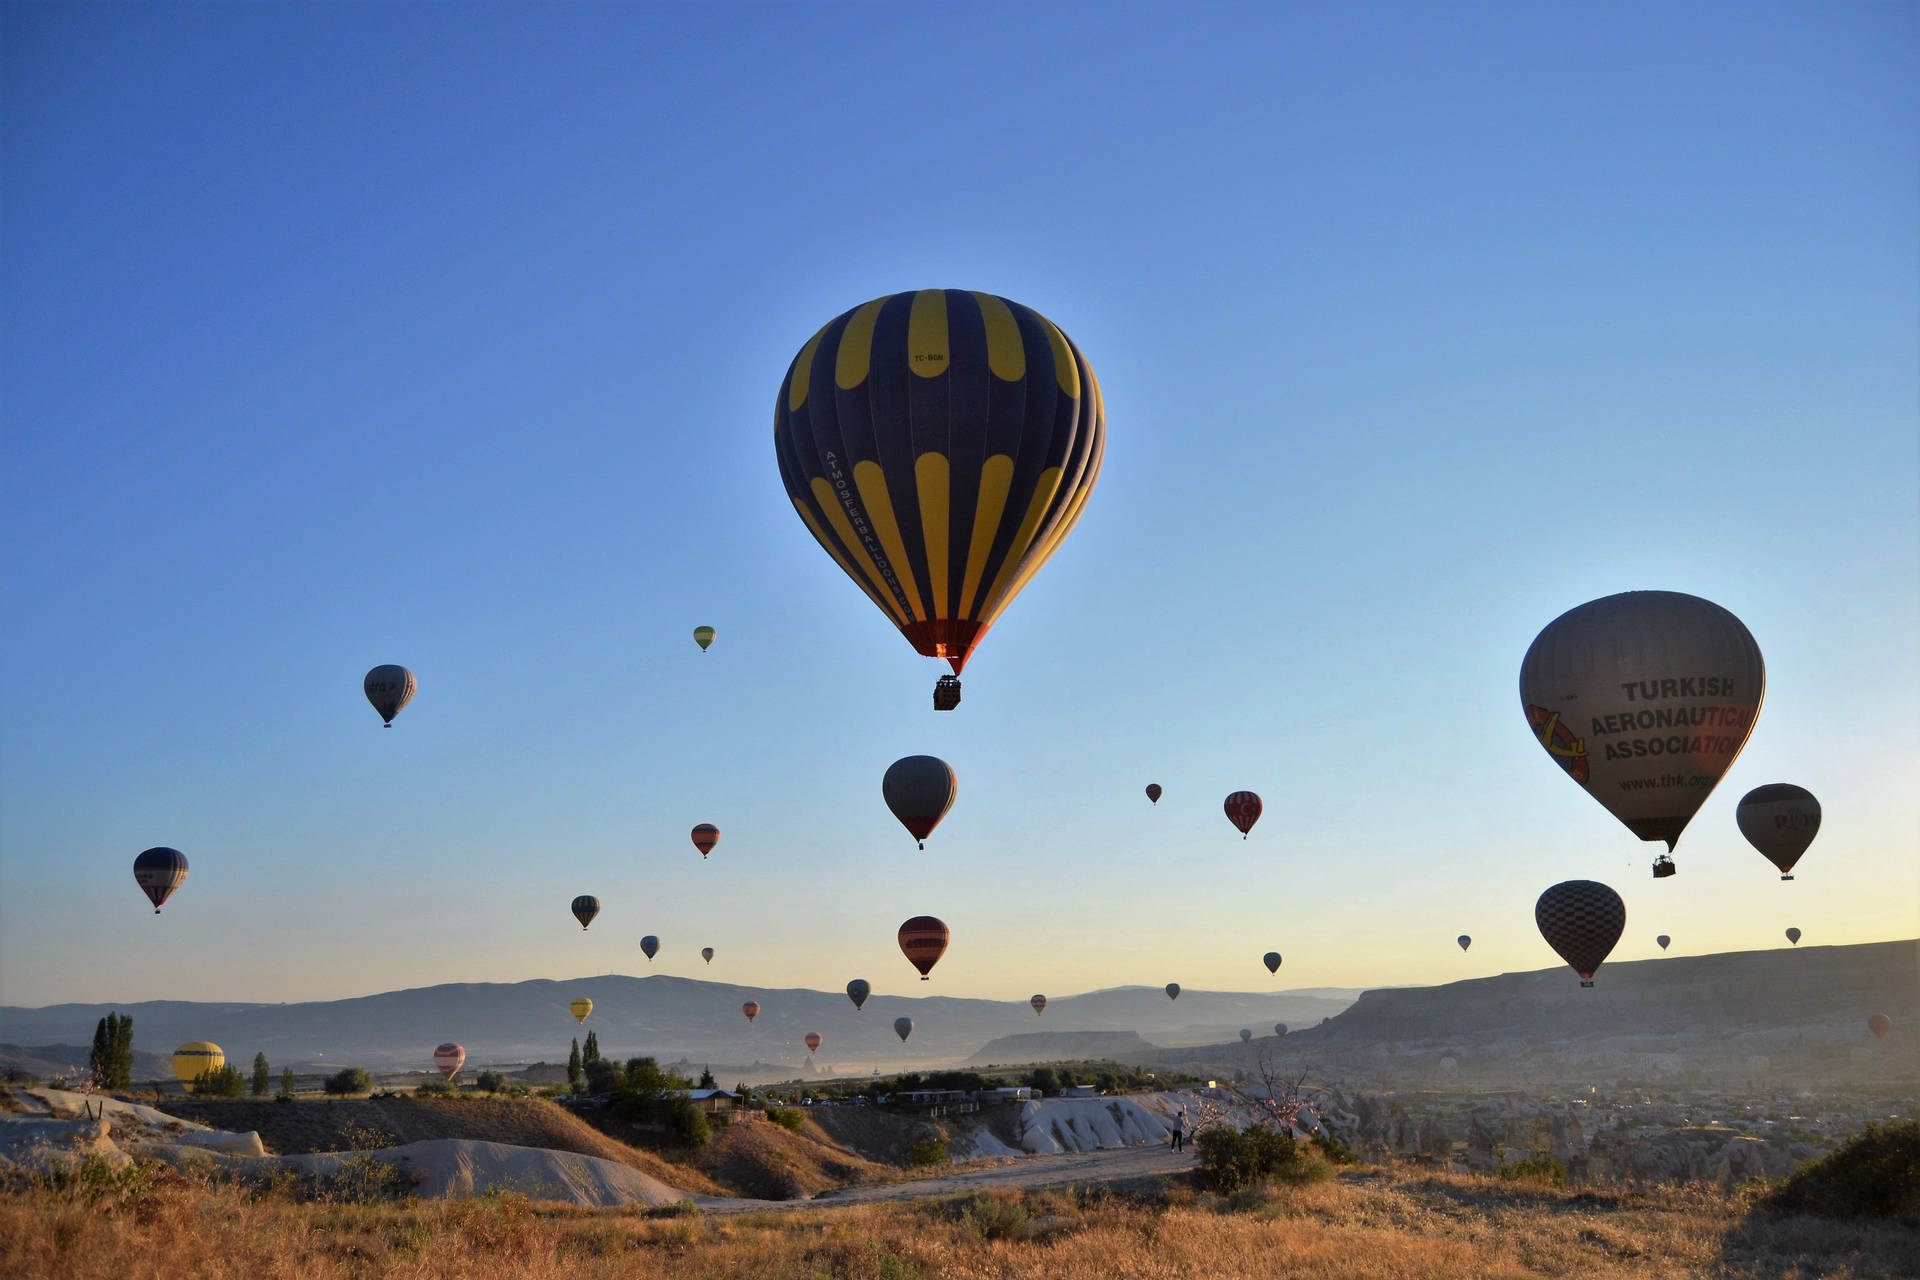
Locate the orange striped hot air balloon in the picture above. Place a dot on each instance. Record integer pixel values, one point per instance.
(449, 1057)
(813, 1041)
(752, 1009)
(1879, 1024)
(705, 836)
(1243, 810)
(923, 940)
(1039, 1004)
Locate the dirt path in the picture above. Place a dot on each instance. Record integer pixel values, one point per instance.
(1110, 1165)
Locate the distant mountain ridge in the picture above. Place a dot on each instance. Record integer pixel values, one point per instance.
(665, 1016)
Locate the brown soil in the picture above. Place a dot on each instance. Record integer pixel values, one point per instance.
(760, 1160)
(873, 1133)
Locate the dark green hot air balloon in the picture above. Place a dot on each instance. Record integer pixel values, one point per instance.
(940, 444)
(585, 908)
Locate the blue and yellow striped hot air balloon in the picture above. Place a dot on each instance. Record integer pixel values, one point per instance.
(940, 445)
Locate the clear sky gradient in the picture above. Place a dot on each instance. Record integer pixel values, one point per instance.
(449, 336)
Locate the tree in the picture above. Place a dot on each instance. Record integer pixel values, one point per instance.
(261, 1075)
(1043, 1080)
(348, 1080)
(573, 1066)
(492, 1081)
(591, 1053)
(111, 1059)
(706, 1078)
(224, 1081)
(286, 1084)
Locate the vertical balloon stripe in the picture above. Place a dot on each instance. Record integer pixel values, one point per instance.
(837, 518)
(930, 473)
(854, 352)
(799, 377)
(872, 484)
(1022, 539)
(1006, 354)
(1089, 454)
(995, 476)
(927, 334)
(969, 386)
(1065, 368)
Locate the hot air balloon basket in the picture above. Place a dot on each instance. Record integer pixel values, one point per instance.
(1663, 867)
(946, 694)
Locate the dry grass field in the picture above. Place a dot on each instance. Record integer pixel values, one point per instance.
(1372, 1224)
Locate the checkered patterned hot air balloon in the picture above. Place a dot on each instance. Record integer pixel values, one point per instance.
(940, 445)
(1581, 920)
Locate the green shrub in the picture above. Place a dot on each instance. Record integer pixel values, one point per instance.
(787, 1117)
(1873, 1174)
(688, 1123)
(1331, 1147)
(491, 1081)
(1544, 1170)
(1001, 1217)
(348, 1080)
(1232, 1159)
(928, 1151)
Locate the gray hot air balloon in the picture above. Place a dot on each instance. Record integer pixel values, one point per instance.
(1272, 961)
(1280, 1028)
(650, 945)
(1246, 1034)
(1173, 991)
(1664, 941)
(1581, 920)
(858, 991)
(1644, 699)
(919, 790)
(1793, 936)
(903, 1027)
(158, 872)
(706, 953)
(389, 688)
(1464, 941)
(1780, 820)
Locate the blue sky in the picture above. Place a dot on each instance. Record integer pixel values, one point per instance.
(449, 336)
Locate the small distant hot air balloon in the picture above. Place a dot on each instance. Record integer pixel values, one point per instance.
(1039, 1004)
(858, 991)
(1173, 991)
(903, 1027)
(1243, 810)
(585, 908)
(195, 1058)
(923, 940)
(389, 688)
(1581, 920)
(919, 790)
(705, 836)
(813, 1041)
(158, 872)
(1464, 941)
(1449, 1065)
(1780, 820)
(703, 636)
(1272, 961)
(1246, 1034)
(939, 445)
(1644, 699)
(752, 1009)
(1879, 1024)
(1153, 792)
(580, 1007)
(449, 1057)
(706, 953)
(1279, 1028)
(650, 945)
(1793, 936)
(1663, 940)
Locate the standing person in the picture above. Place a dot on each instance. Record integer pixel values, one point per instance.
(1179, 1127)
